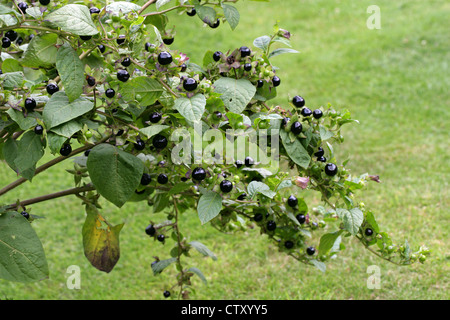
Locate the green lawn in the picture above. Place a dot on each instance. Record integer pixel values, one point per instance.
(394, 80)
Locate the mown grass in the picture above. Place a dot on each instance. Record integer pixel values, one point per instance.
(394, 81)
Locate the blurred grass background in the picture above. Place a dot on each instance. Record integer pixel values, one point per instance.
(395, 81)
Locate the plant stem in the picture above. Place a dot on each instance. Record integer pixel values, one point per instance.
(145, 6)
(88, 187)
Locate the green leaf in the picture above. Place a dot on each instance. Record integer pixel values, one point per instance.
(55, 142)
(10, 152)
(327, 241)
(319, 265)
(29, 151)
(353, 219)
(71, 71)
(41, 52)
(205, 13)
(149, 89)
(22, 257)
(231, 14)
(209, 206)
(199, 274)
(191, 109)
(262, 42)
(159, 266)
(12, 80)
(122, 6)
(35, 12)
(200, 247)
(59, 109)
(74, 18)
(115, 174)
(5, 10)
(179, 187)
(161, 201)
(370, 218)
(100, 240)
(325, 134)
(236, 93)
(11, 65)
(24, 123)
(153, 129)
(255, 187)
(279, 51)
(295, 150)
(68, 129)
(160, 3)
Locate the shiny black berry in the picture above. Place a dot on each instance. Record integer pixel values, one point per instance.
(285, 121)
(189, 84)
(258, 217)
(192, 12)
(271, 225)
(249, 161)
(320, 152)
(168, 41)
(322, 159)
(226, 186)
(139, 145)
(23, 7)
(259, 83)
(215, 24)
(159, 141)
(288, 244)
(239, 163)
(199, 174)
(166, 294)
(126, 62)
(217, 55)
(368, 232)
(161, 237)
(102, 48)
(301, 218)
(39, 129)
(242, 196)
(306, 112)
(94, 10)
(146, 179)
(296, 128)
(245, 51)
(110, 93)
(11, 34)
(86, 153)
(310, 251)
(44, 2)
(276, 81)
(85, 38)
(317, 114)
(163, 179)
(19, 41)
(91, 81)
(150, 47)
(292, 201)
(164, 58)
(218, 115)
(65, 150)
(150, 230)
(298, 101)
(25, 214)
(120, 39)
(183, 67)
(6, 42)
(52, 88)
(119, 132)
(30, 104)
(123, 75)
(247, 66)
(155, 117)
(331, 169)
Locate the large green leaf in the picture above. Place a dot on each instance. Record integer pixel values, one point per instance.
(22, 256)
(100, 240)
(159, 266)
(68, 129)
(115, 174)
(205, 13)
(191, 109)
(12, 80)
(30, 150)
(71, 71)
(200, 247)
(231, 14)
(295, 150)
(149, 89)
(59, 109)
(41, 52)
(24, 123)
(352, 219)
(74, 18)
(327, 241)
(153, 129)
(122, 6)
(236, 93)
(255, 187)
(209, 206)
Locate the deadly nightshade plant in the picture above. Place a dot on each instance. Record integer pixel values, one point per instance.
(117, 129)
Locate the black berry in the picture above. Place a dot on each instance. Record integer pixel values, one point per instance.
(163, 179)
(258, 217)
(190, 84)
(259, 83)
(52, 88)
(120, 39)
(119, 132)
(183, 67)
(146, 179)
(215, 24)
(23, 7)
(19, 41)
(245, 51)
(317, 114)
(217, 55)
(155, 117)
(296, 128)
(166, 294)
(86, 153)
(239, 163)
(25, 214)
(91, 81)
(161, 237)
(102, 48)
(110, 93)
(44, 2)
(310, 251)
(271, 225)
(149, 46)
(168, 41)
(192, 12)
(199, 174)
(6, 42)
(306, 112)
(164, 58)
(11, 34)
(249, 161)
(159, 141)
(247, 66)
(242, 196)
(30, 104)
(331, 169)
(150, 230)
(368, 232)
(288, 244)
(285, 121)
(85, 38)
(298, 101)
(292, 201)
(123, 75)
(320, 152)
(322, 159)
(139, 145)
(39, 129)
(94, 10)
(218, 115)
(276, 81)
(65, 150)
(126, 62)
(226, 186)
(301, 218)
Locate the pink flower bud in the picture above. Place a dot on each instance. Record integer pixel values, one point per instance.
(302, 182)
